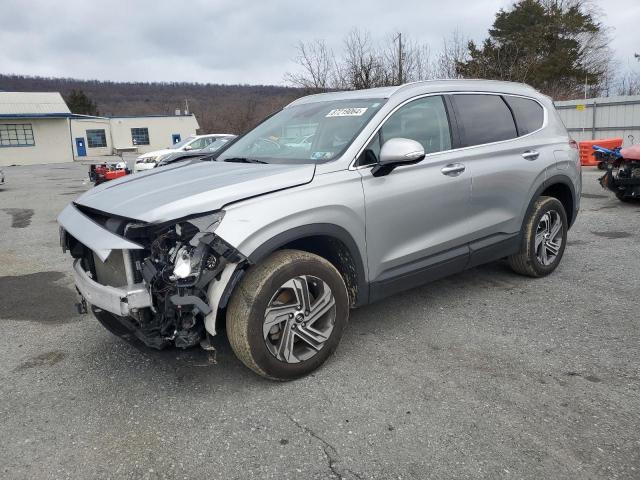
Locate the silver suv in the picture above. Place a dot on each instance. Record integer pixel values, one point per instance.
(275, 238)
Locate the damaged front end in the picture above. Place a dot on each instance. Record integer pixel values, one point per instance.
(161, 283)
(623, 176)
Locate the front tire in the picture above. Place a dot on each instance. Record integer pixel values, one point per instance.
(544, 239)
(287, 315)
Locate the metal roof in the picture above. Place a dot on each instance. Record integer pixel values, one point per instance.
(33, 104)
(601, 101)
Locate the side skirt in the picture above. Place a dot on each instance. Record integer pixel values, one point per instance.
(478, 253)
(494, 248)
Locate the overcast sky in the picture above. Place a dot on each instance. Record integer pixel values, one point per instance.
(234, 41)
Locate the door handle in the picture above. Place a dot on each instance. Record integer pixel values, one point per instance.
(453, 169)
(530, 155)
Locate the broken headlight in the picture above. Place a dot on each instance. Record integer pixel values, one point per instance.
(183, 263)
(182, 251)
(188, 261)
(191, 251)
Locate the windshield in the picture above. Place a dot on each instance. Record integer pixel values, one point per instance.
(217, 143)
(309, 133)
(181, 144)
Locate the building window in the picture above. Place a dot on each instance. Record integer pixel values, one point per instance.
(96, 138)
(140, 136)
(16, 135)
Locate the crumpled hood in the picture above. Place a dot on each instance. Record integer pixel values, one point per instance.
(176, 191)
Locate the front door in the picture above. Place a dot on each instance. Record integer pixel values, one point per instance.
(81, 148)
(416, 216)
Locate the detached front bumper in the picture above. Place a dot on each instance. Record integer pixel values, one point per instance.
(119, 301)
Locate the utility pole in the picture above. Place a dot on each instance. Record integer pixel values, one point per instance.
(585, 86)
(399, 38)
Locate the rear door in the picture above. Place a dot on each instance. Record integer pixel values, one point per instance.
(505, 159)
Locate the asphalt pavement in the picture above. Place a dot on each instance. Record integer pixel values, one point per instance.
(485, 374)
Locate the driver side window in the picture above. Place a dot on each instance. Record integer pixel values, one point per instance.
(424, 120)
(198, 144)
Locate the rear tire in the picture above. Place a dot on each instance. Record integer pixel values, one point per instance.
(276, 329)
(542, 246)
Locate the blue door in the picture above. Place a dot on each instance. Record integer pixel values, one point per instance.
(175, 138)
(81, 149)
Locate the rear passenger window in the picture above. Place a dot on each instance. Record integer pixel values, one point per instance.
(484, 118)
(529, 114)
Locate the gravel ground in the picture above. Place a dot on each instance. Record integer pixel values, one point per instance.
(482, 375)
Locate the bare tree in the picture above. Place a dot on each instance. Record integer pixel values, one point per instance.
(361, 66)
(416, 61)
(629, 84)
(454, 51)
(363, 63)
(318, 66)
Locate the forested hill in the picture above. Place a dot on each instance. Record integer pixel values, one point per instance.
(218, 108)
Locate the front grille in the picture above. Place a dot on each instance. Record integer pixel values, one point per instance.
(112, 271)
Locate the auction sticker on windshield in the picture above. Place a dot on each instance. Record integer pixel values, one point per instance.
(346, 112)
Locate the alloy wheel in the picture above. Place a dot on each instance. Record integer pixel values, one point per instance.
(299, 319)
(549, 237)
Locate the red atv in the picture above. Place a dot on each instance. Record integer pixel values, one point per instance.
(107, 171)
(623, 174)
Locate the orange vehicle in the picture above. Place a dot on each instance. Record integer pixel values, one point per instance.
(107, 171)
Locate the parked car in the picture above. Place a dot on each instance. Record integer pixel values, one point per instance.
(303, 143)
(401, 186)
(194, 154)
(149, 160)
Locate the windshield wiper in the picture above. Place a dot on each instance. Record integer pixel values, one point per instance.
(243, 160)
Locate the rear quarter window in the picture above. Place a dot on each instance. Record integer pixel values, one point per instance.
(484, 119)
(529, 114)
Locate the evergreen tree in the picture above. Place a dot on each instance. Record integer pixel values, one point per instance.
(78, 102)
(555, 46)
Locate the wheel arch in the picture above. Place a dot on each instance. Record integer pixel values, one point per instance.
(561, 187)
(329, 241)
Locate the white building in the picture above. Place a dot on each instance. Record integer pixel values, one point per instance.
(38, 127)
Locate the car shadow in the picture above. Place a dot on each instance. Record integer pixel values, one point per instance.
(194, 366)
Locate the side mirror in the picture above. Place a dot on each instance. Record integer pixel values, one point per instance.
(395, 152)
(187, 148)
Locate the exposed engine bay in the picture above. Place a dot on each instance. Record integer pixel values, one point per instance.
(177, 264)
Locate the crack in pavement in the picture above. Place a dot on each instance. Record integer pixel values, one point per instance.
(329, 450)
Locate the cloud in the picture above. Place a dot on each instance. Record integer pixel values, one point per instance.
(224, 41)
